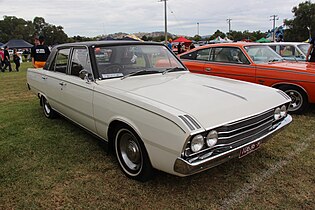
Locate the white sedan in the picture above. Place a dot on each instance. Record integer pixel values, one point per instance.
(141, 99)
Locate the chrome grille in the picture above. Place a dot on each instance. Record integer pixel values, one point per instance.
(244, 130)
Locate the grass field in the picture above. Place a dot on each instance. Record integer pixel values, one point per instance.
(53, 164)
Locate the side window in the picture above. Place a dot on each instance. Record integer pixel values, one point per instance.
(229, 55)
(80, 60)
(287, 51)
(203, 54)
(190, 56)
(61, 60)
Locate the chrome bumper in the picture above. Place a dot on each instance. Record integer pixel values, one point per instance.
(186, 168)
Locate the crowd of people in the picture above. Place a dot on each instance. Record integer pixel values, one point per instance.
(180, 47)
(39, 54)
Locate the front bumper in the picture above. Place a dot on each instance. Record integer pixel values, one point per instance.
(186, 168)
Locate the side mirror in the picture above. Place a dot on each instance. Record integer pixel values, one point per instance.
(85, 75)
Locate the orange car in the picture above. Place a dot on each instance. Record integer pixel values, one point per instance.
(256, 63)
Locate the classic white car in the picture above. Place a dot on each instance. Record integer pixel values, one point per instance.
(152, 111)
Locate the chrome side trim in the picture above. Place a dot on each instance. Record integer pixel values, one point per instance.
(194, 122)
(190, 122)
(284, 94)
(190, 126)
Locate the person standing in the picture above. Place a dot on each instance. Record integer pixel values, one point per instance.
(16, 59)
(1, 58)
(6, 59)
(40, 53)
(169, 44)
(311, 51)
(179, 48)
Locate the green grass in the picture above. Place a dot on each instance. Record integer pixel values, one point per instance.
(53, 164)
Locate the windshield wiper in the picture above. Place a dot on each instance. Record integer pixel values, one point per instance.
(139, 72)
(173, 69)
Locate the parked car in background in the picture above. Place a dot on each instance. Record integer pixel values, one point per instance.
(293, 51)
(256, 63)
(154, 113)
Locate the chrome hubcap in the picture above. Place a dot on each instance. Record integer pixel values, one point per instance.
(130, 151)
(46, 106)
(297, 100)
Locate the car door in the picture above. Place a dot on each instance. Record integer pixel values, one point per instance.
(77, 93)
(73, 96)
(195, 60)
(230, 62)
(55, 79)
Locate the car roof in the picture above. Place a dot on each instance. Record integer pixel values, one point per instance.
(232, 44)
(283, 43)
(106, 43)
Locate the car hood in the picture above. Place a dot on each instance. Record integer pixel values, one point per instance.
(292, 65)
(209, 100)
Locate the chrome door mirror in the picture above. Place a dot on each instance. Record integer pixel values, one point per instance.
(85, 75)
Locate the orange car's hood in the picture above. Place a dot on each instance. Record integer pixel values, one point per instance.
(288, 65)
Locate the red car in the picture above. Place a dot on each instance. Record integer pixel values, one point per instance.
(256, 63)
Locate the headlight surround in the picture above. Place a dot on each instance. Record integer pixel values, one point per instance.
(277, 114)
(212, 138)
(197, 143)
(283, 111)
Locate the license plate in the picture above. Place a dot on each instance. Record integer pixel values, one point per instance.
(249, 149)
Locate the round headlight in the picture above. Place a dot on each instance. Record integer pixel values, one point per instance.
(212, 138)
(283, 111)
(277, 113)
(197, 143)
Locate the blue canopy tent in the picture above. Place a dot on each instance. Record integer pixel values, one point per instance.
(18, 44)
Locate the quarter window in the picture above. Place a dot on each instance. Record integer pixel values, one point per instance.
(202, 55)
(80, 60)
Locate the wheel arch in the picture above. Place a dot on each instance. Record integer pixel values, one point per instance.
(112, 128)
(277, 85)
(40, 95)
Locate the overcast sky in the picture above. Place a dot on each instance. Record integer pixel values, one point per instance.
(96, 17)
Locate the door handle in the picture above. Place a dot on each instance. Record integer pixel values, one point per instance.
(208, 69)
(44, 77)
(62, 83)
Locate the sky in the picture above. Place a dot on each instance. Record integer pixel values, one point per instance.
(91, 18)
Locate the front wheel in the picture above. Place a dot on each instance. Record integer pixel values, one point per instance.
(299, 102)
(132, 155)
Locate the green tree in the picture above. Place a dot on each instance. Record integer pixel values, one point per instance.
(197, 38)
(217, 33)
(12, 27)
(304, 17)
(53, 34)
(144, 38)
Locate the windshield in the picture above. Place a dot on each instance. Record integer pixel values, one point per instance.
(132, 60)
(262, 54)
(304, 47)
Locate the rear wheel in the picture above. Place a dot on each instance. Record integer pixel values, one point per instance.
(299, 102)
(48, 111)
(132, 155)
